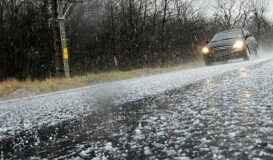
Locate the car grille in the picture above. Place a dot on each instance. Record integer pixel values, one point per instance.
(221, 51)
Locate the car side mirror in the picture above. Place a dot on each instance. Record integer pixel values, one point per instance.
(207, 41)
(248, 35)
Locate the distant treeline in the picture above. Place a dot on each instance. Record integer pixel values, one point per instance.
(118, 34)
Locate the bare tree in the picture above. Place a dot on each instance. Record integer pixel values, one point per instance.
(116, 34)
(232, 13)
(259, 9)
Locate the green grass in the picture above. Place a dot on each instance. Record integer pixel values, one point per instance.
(13, 88)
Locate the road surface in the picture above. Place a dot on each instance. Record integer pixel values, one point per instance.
(218, 112)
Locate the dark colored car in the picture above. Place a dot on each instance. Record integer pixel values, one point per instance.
(230, 44)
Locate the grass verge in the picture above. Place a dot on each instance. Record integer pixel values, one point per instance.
(13, 88)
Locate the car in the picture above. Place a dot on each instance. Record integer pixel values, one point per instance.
(230, 44)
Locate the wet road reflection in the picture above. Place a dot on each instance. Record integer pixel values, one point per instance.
(208, 82)
(243, 72)
(223, 117)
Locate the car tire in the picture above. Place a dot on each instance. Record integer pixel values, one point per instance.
(247, 54)
(208, 61)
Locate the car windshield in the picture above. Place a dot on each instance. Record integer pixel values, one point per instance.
(227, 35)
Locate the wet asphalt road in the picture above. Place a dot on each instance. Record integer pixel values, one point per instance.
(223, 116)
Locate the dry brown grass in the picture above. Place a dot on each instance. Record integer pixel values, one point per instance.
(8, 86)
(13, 88)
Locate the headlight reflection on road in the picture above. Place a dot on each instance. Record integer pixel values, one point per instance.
(208, 82)
(242, 72)
(248, 94)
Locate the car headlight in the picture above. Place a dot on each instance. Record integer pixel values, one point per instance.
(205, 50)
(238, 45)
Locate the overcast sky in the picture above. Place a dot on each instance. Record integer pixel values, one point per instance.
(210, 6)
(270, 9)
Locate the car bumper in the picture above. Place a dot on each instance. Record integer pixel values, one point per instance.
(227, 56)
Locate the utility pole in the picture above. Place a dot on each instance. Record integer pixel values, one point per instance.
(57, 43)
(61, 18)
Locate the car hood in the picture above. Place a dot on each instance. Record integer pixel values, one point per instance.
(228, 42)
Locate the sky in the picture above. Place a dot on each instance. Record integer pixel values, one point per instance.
(270, 9)
(210, 8)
